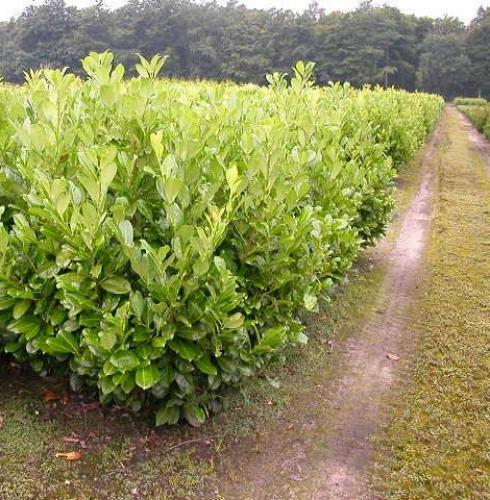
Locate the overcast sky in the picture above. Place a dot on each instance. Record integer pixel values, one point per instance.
(464, 9)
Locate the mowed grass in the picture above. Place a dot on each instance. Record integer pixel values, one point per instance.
(438, 444)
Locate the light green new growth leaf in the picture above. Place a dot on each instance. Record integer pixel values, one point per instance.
(126, 229)
(156, 143)
(168, 166)
(117, 285)
(172, 187)
(232, 178)
(108, 170)
(234, 321)
(309, 301)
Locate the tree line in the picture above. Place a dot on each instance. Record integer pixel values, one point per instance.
(371, 45)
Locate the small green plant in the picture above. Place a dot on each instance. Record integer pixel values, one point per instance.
(159, 239)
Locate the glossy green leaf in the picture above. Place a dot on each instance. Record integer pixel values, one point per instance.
(20, 308)
(117, 285)
(125, 360)
(169, 415)
(205, 365)
(108, 339)
(187, 350)
(64, 343)
(194, 415)
(147, 377)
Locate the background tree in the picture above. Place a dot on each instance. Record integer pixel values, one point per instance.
(478, 49)
(371, 45)
(444, 66)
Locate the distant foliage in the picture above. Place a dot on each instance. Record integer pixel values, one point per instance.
(208, 40)
(470, 101)
(160, 238)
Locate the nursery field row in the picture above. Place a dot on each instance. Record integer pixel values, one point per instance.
(160, 239)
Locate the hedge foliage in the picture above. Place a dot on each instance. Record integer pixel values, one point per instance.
(470, 101)
(160, 239)
(479, 115)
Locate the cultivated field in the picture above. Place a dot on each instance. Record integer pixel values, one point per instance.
(212, 290)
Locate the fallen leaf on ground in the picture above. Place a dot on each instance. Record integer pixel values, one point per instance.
(70, 455)
(152, 440)
(393, 357)
(50, 396)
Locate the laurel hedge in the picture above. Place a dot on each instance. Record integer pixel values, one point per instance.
(159, 239)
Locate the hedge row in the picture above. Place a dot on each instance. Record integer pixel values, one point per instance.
(470, 101)
(160, 239)
(479, 115)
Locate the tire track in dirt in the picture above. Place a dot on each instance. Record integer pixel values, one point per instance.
(371, 364)
(328, 460)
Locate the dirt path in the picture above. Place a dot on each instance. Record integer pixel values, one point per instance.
(436, 445)
(328, 460)
(371, 364)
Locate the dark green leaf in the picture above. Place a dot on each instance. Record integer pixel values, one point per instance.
(187, 350)
(125, 360)
(169, 415)
(205, 365)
